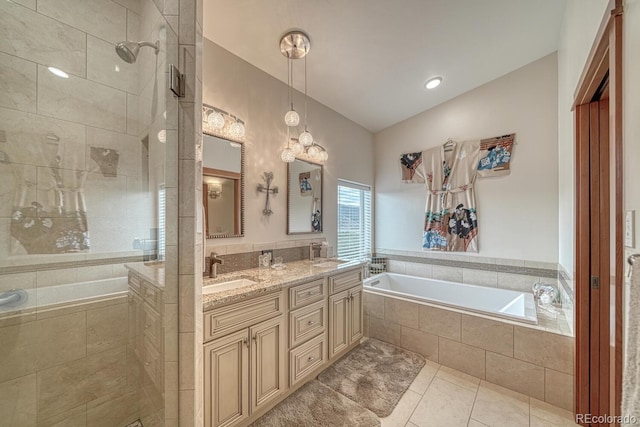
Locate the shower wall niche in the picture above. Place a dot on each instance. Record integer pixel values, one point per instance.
(83, 172)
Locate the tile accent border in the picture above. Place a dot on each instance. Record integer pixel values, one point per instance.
(68, 264)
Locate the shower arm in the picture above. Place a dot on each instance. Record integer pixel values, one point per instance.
(155, 45)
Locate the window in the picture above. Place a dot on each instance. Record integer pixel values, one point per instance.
(354, 220)
(162, 222)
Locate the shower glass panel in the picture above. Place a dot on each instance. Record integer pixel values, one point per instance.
(86, 126)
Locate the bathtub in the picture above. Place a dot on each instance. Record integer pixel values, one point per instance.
(502, 303)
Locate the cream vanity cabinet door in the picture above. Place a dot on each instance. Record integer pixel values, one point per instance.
(356, 327)
(226, 389)
(268, 349)
(338, 323)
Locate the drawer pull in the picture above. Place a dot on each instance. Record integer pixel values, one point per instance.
(245, 341)
(310, 293)
(255, 337)
(311, 322)
(147, 326)
(311, 359)
(147, 364)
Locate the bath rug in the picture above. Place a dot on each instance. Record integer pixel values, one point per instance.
(316, 405)
(374, 374)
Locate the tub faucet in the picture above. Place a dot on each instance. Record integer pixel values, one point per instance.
(312, 248)
(214, 260)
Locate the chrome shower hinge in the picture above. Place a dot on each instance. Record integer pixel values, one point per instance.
(176, 81)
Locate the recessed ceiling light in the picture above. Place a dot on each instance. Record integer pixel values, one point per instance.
(433, 83)
(59, 72)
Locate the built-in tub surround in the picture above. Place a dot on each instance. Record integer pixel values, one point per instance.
(525, 358)
(502, 303)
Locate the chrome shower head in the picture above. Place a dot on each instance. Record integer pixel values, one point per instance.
(128, 51)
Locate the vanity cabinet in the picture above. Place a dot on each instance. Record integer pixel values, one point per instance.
(245, 369)
(345, 312)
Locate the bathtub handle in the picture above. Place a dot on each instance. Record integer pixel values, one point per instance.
(13, 298)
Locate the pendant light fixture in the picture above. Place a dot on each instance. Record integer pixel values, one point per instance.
(296, 45)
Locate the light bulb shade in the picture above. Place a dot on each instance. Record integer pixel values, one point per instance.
(313, 152)
(287, 155)
(297, 148)
(162, 136)
(323, 156)
(216, 120)
(292, 118)
(306, 138)
(237, 130)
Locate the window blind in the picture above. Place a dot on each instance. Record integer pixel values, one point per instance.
(161, 222)
(354, 220)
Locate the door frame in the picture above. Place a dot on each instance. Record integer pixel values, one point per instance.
(604, 61)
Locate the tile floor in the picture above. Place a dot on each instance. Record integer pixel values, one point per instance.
(443, 397)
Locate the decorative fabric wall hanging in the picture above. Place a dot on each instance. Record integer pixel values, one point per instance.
(305, 184)
(410, 163)
(495, 156)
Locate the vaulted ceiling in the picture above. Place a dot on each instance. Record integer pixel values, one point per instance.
(370, 59)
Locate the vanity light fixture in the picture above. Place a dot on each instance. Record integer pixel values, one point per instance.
(215, 190)
(220, 123)
(315, 152)
(433, 82)
(58, 72)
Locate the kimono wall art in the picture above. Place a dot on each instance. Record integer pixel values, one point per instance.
(305, 184)
(449, 173)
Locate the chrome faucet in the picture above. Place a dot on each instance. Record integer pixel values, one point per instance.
(213, 264)
(312, 248)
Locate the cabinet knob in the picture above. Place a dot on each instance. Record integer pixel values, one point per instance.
(310, 293)
(311, 359)
(311, 322)
(245, 341)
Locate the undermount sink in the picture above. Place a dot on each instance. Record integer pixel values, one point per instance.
(225, 286)
(328, 263)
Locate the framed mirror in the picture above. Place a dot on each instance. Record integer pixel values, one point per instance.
(223, 186)
(304, 197)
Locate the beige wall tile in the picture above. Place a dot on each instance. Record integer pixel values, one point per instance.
(495, 406)
(75, 417)
(444, 404)
(61, 388)
(463, 357)
(401, 312)
(130, 150)
(449, 274)
(81, 101)
(106, 373)
(60, 339)
(120, 409)
(544, 349)
(558, 389)
(18, 402)
(107, 328)
(384, 330)
(106, 20)
(516, 282)
(365, 320)
(394, 266)
(444, 323)
(95, 272)
(19, 83)
(420, 342)
(54, 44)
(480, 277)
(488, 334)
(418, 269)
(515, 375)
(374, 305)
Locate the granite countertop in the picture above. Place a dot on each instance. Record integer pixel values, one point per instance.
(151, 271)
(270, 279)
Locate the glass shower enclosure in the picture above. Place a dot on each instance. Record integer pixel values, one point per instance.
(86, 125)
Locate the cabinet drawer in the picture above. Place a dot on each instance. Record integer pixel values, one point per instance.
(153, 364)
(153, 328)
(221, 321)
(306, 359)
(307, 293)
(341, 282)
(135, 283)
(152, 296)
(307, 322)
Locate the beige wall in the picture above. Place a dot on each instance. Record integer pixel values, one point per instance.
(517, 213)
(260, 100)
(581, 22)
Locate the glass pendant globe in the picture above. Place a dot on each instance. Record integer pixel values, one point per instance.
(323, 156)
(287, 155)
(162, 136)
(297, 148)
(306, 138)
(292, 118)
(237, 130)
(216, 120)
(313, 152)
